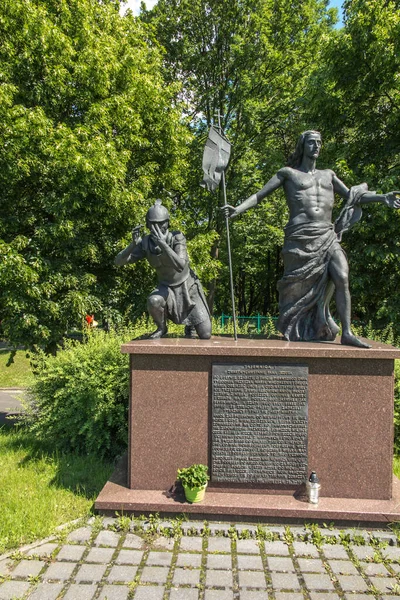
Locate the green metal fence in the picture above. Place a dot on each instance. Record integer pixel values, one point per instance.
(257, 320)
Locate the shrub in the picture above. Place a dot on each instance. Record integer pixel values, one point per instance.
(79, 400)
(397, 407)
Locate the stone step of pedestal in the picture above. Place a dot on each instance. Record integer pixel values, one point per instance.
(116, 496)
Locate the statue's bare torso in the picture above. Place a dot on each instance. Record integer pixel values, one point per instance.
(310, 196)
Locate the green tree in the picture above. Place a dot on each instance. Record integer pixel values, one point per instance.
(90, 135)
(251, 61)
(355, 98)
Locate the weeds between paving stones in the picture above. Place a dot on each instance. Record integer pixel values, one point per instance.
(355, 560)
(148, 526)
(345, 538)
(395, 588)
(232, 533)
(263, 555)
(395, 528)
(133, 584)
(174, 530)
(375, 591)
(378, 544)
(191, 532)
(358, 540)
(314, 535)
(123, 523)
(265, 534)
(290, 536)
(245, 535)
(18, 556)
(235, 576)
(376, 558)
(97, 525)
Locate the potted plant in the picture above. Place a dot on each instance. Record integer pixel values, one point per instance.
(194, 481)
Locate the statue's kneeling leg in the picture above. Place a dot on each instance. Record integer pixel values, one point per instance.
(190, 332)
(156, 306)
(204, 330)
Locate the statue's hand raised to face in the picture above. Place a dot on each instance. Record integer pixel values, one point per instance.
(158, 233)
(136, 237)
(392, 199)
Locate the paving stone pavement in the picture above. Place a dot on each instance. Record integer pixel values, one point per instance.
(123, 559)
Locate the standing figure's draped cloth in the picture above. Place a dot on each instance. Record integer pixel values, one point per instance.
(305, 289)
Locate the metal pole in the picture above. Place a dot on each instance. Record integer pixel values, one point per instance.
(228, 241)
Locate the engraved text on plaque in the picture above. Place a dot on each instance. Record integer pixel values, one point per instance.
(259, 424)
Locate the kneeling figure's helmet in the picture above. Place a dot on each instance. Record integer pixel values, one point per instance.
(157, 214)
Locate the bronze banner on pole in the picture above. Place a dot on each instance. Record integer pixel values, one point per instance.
(216, 156)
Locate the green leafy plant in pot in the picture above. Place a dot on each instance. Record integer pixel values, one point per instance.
(194, 480)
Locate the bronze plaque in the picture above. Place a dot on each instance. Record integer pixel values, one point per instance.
(259, 424)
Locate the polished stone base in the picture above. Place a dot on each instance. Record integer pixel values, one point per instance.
(350, 428)
(254, 507)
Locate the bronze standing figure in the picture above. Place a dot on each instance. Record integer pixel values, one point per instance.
(315, 265)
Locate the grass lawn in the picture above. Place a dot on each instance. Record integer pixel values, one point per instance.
(40, 489)
(18, 374)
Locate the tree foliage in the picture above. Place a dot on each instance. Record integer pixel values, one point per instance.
(273, 69)
(250, 60)
(89, 132)
(356, 100)
(100, 114)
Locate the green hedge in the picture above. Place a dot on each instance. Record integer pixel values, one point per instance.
(79, 400)
(397, 408)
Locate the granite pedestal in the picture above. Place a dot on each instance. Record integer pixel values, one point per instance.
(350, 429)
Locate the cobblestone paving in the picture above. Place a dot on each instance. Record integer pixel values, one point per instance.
(119, 559)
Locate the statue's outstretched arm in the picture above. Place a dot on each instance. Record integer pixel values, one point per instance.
(339, 187)
(273, 184)
(392, 199)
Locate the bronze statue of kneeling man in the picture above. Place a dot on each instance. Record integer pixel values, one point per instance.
(179, 295)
